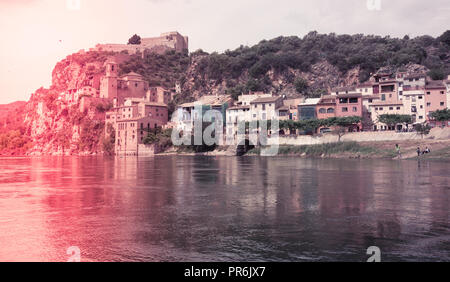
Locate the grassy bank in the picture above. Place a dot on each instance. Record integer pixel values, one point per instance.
(440, 150)
(341, 149)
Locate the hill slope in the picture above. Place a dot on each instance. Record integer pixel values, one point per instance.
(291, 66)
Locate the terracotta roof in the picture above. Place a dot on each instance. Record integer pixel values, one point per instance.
(350, 95)
(345, 88)
(239, 108)
(212, 100)
(371, 97)
(266, 100)
(386, 103)
(435, 84)
(416, 75)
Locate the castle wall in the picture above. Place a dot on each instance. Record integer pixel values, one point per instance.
(171, 40)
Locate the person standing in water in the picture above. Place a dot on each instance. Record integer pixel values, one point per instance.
(418, 152)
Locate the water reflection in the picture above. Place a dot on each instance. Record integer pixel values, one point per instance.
(222, 209)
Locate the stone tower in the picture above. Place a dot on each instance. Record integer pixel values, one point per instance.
(108, 85)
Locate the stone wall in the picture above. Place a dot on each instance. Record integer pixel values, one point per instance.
(436, 133)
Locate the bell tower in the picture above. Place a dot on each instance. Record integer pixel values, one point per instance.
(108, 86)
(111, 69)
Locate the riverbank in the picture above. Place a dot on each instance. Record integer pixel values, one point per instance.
(440, 150)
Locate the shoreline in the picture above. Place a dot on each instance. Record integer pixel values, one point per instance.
(440, 151)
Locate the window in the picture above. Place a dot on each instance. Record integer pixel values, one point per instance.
(343, 100)
(413, 109)
(428, 104)
(353, 100)
(330, 111)
(420, 97)
(442, 92)
(420, 117)
(390, 95)
(345, 109)
(264, 107)
(376, 109)
(421, 106)
(355, 109)
(428, 92)
(383, 97)
(398, 108)
(391, 108)
(370, 100)
(442, 103)
(322, 111)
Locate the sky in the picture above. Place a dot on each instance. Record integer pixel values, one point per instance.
(36, 34)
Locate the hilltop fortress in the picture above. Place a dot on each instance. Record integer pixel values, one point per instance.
(166, 41)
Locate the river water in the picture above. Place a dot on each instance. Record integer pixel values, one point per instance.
(178, 208)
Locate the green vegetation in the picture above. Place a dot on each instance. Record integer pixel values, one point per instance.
(134, 40)
(437, 74)
(301, 84)
(345, 52)
(14, 142)
(159, 69)
(441, 115)
(323, 149)
(109, 140)
(161, 138)
(90, 134)
(422, 129)
(312, 124)
(393, 120)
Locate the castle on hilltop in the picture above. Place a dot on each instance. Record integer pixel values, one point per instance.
(166, 41)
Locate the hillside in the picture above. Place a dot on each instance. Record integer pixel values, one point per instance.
(291, 66)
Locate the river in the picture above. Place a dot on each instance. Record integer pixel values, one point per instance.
(180, 208)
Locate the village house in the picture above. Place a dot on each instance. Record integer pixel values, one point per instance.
(385, 108)
(291, 108)
(307, 109)
(187, 113)
(237, 116)
(133, 120)
(435, 99)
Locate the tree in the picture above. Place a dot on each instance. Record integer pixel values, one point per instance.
(134, 40)
(63, 138)
(109, 140)
(437, 74)
(445, 37)
(301, 84)
(441, 115)
(393, 120)
(422, 129)
(342, 124)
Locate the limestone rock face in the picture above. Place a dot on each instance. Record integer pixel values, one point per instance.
(56, 126)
